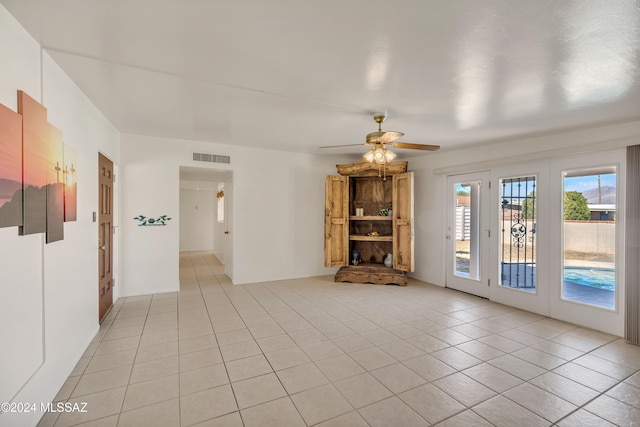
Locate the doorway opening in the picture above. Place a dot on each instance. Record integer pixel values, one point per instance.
(206, 216)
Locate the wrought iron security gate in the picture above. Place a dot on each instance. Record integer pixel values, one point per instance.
(518, 232)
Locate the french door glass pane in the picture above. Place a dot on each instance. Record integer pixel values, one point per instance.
(467, 199)
(589, 229)
(518, 233)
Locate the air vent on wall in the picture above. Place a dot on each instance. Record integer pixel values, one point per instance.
(211, 158)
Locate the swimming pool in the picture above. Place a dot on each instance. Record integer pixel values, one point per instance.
(601, 278)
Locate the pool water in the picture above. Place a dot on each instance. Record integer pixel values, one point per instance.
(601, 278)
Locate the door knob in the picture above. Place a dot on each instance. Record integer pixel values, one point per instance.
(102, 247)
(226, 232)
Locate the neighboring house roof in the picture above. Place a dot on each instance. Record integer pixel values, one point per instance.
(602, 207)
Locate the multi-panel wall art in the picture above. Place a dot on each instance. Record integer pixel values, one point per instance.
(38, 185)
(10, 168)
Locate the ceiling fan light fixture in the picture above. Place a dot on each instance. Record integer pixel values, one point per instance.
(368, 156)
(379, 155)
(389, 155)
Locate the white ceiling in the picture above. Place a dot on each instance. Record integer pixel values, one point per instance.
(295, 75)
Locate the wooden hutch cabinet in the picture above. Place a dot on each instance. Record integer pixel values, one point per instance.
(355, 220)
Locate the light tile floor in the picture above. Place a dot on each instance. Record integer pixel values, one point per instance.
(314, 352)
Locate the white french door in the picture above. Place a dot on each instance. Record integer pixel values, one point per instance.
(468, 233)
(546, 237)
(587, 251)
(519, 215)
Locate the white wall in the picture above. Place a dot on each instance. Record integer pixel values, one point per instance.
(197, 217)
(590, 237)
(278, 205)
(21, 258)
(53, 284)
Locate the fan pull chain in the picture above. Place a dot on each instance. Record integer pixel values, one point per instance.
(382, 174)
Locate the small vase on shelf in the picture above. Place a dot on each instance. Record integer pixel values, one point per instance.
(386, 211)
(355, 257)
(388, 261)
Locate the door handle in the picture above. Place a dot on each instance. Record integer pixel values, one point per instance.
(226, 232)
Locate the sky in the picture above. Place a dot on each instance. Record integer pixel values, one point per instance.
(584, 183)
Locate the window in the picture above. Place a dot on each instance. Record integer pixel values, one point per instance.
(467, 235)
(220, 196)
(518, 233)
(589, 228)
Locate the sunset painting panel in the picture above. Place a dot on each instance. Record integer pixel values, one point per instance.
(71, 183)
(35, 135)
(55, 186)
(10, 168)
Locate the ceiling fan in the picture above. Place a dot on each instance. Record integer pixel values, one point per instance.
(380, 140)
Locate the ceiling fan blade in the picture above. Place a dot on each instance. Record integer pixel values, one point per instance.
(343, 145)
(381, 137)
(411, 146)
(390, 136)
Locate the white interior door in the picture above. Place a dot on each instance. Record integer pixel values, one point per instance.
(228, 233)
(468, 233)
